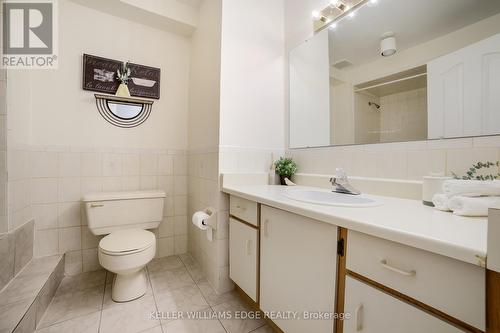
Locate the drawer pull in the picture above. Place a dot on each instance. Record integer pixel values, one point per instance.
(358, 313)
(384, 264)
(249, 247)
(95, 205)
(266, 228)
(241, 207)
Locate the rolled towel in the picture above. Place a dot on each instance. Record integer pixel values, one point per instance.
(472, 206)
(441, 202)
(471, 188)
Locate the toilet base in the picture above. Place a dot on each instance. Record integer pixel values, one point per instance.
(127, 287)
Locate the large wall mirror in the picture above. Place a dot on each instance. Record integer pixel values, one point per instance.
(399, 70)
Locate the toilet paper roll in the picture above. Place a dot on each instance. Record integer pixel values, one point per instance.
(198, 218)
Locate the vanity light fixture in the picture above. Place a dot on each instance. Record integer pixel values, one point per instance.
(335, 11)
(339, 5)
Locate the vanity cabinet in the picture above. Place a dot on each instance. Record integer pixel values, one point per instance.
(464, 90)
(291, 264)
(297, 269)
(243, 254)
(374, 311)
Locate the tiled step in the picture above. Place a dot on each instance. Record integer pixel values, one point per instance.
(25, 299)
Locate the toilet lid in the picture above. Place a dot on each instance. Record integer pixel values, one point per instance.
(129, 240)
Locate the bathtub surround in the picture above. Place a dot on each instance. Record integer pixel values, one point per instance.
(16, 251)
(24, 301)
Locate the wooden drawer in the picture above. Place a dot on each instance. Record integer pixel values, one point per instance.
(243, 251)
(451, 286)
(243, 209)
(373, 311)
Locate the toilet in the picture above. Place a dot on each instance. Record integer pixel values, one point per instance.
(125, 217)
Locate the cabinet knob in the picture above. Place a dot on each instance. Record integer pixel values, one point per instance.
(96, 205)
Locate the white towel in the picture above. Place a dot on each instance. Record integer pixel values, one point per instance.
(471, 188)
(441, 201)
(472, 206)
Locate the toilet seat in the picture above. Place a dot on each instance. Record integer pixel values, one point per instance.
(128, 241)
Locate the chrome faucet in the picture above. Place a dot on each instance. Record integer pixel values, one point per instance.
(341, 183)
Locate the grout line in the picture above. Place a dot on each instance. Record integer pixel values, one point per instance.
(102, 302)
(154, 295)
(201, 292)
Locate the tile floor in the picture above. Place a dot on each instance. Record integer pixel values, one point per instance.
(83, 303)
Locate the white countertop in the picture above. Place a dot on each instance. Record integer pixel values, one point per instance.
(404, 221)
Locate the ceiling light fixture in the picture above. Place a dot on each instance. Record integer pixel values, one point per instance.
(388, 44)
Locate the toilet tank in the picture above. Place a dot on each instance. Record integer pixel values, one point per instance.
(111, 211)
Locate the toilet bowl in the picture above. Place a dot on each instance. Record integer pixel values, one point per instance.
(126, 253)
(128, 246)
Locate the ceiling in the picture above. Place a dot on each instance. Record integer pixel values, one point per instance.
(357, 39)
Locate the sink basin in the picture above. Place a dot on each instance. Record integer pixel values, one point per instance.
(328, 198)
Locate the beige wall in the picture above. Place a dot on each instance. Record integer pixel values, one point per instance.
(252, 74)
(204, 83)
(61, 113)
(203, 158)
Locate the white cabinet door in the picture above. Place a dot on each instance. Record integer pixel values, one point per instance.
(297, 269)
(243, 249)
(373, 311)
(464, 91)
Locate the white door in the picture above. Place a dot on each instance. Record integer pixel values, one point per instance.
(373, 311)
(297, 269)
(464, 91)
(243, 247)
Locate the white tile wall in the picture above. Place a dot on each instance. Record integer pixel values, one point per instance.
(59, 177)
(204, 168)
(411, 160)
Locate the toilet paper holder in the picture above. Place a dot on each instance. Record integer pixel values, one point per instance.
(211, 221)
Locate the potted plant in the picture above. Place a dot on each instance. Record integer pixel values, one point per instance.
(285, 168)
(473, 172)
(123, 76)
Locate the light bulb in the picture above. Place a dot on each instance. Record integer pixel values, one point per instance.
(373, 2)
(351, 14)
(334, 3)
(315, 14)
